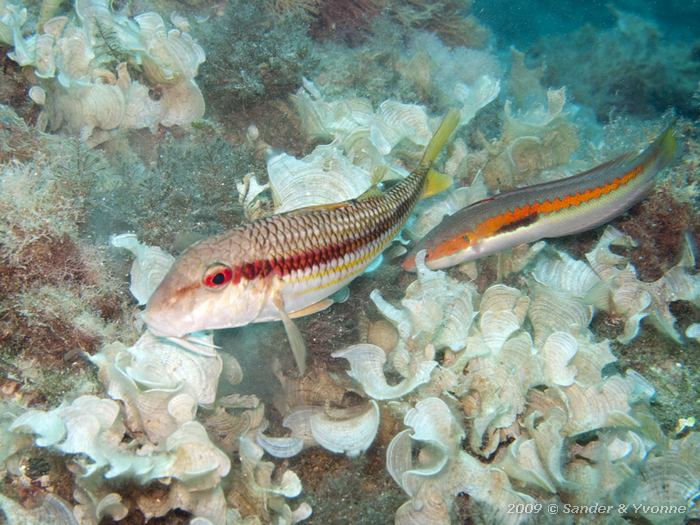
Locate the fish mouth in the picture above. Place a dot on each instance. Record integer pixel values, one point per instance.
(153, 328)
(157, 326)
(409, 262)
(152, 325)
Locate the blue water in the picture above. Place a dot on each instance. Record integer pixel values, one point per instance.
(520, 23)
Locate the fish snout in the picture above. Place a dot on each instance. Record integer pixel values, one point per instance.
(167, 311)
(409, 262)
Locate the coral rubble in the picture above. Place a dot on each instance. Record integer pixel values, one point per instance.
(543, 417)
(146, 431)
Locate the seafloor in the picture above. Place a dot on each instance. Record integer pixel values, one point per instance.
(165, 125)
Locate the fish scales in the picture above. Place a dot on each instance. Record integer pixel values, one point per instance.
(286, 243)
(289, 264)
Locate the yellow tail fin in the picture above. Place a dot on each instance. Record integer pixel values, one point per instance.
(436, 183)
(667, 144)
(445, 129)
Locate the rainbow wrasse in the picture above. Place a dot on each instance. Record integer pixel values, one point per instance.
(552, 209)
(287, 265)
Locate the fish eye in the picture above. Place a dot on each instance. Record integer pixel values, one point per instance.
(217, 276)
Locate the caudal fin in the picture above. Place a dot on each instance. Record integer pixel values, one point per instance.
(437, 182)
(437, 142)
(664, 147)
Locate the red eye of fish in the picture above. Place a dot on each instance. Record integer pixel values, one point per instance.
(217, 275)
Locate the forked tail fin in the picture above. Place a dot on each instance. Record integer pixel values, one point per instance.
(437, 142)
(664, 147)
(437, 182)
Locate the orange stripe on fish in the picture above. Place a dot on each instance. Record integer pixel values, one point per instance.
(551, 209)
(518, 216)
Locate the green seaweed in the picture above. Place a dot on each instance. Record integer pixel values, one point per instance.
(252, 56)
(108, 47)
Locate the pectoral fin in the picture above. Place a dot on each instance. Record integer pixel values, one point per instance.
(296, 341)
(311, 309)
